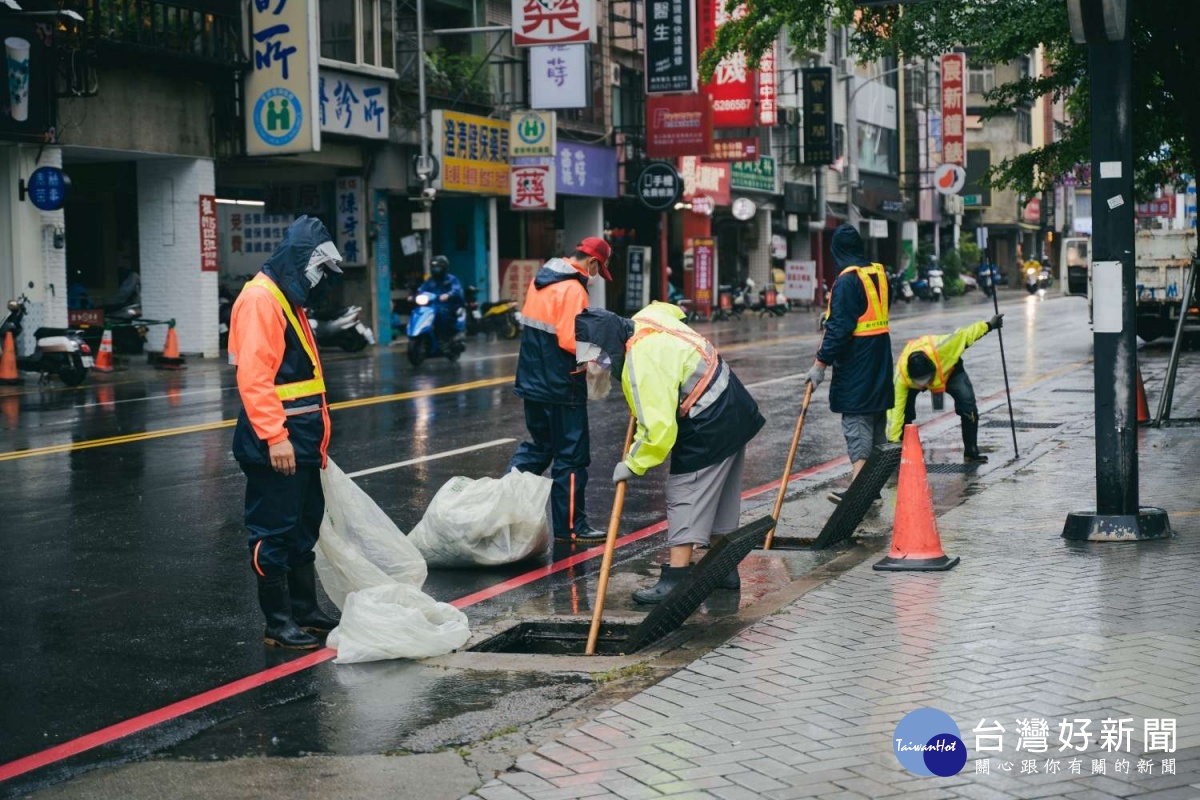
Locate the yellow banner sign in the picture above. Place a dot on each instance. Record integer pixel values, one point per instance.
(473, 152)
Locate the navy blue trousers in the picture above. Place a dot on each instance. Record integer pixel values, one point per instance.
(559, 436)
(283, 515)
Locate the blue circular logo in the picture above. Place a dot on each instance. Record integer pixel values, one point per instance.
(47, 188)
(278, 116)
(928, 742)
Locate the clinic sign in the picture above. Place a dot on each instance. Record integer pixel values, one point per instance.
(473, 152)
(670, 47)
(281, 84)
(352, 105)
(351, 221)
(532, 134)
(539, 22)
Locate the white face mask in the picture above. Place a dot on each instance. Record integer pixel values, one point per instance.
(325, 253)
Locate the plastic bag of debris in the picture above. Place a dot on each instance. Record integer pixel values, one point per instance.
(396, 621)
(485, 522)
(360, 547)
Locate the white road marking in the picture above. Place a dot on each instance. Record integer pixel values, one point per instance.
(784, 379)
(434, 457)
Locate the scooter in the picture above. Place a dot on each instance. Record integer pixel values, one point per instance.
(58, 351)
(499, 318)
(743, 297)
(1037, 279)
(937, 284)
(898, 287)
(771, 302)
(423, 342)
(341, 327)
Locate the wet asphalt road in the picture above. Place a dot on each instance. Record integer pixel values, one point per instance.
(125, 584)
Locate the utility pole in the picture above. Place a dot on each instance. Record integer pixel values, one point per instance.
(425, 167)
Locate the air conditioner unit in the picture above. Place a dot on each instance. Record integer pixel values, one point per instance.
(614, 74)
(846, 66)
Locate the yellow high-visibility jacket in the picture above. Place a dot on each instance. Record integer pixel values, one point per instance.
(945, 353)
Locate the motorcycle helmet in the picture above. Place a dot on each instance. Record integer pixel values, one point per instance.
(439, 267)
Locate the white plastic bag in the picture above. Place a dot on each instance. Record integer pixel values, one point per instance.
(396, 621)
(485, 522)
(360, 546)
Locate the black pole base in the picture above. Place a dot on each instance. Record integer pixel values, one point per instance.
(939, 564)
(1089, 526)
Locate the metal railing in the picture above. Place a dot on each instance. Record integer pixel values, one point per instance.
(195, 30)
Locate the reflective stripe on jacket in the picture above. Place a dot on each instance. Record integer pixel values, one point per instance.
(279, 377)
(874, 320)
(687, 400)
(546, 367)
(862, 364)
(945, 352)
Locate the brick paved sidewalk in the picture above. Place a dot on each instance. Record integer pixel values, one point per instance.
(805, 703)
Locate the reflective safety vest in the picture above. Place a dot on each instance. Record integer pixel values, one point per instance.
(708, 380)
(306, 388)
(874, 320)
(928, 346)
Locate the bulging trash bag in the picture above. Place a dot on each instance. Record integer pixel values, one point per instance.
(360, 546)
(396, 621)
(485, 522)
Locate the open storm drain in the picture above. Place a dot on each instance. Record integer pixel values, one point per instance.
(1003, 423)
(570, 638)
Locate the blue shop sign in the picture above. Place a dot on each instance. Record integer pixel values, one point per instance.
(47, 188)
(586, 170)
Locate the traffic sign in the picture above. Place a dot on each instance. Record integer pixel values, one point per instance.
(972, 200)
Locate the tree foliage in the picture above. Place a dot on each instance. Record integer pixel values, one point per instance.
(1166, 122)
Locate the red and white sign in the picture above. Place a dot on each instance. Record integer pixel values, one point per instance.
(700, 179)
(703, 261)
(954, 100)
(768, 112)
(208, 233)
(800, 280)
(678, 125)
(533, 188)
(704, 206)
(733, 87)
(1159, 207)
(1032, 213)
(742, 149)
(538, 22)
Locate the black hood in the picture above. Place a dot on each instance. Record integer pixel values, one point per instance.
(602, 333)
(287, 264)
(847, 247)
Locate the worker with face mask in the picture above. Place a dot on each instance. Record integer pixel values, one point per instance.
(282, 430)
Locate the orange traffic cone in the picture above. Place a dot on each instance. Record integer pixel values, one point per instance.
(1143, 408)
(8, 362)
(916, 545)
(104, 359)
(170, 358)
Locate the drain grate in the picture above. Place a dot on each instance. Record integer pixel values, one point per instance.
(689, 593)
(1003, 423)
(950, 469)
(1077, 391)
(1182, 422)
(854, 506)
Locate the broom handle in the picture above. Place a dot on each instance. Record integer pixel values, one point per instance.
(787, 467)
(610, 544)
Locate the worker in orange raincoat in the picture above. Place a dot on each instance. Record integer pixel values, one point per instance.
(283, 430)
(553, 387)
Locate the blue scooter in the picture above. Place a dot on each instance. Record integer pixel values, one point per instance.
(422, 337)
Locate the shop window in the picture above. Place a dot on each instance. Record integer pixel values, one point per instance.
(876, 149)
(1024, 126)
(980, 79)
(359, 32)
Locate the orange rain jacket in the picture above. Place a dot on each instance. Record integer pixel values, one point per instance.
(546, 368)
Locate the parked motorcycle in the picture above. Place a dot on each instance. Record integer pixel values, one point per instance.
(937, 284)
(499, 318)
(340, 327)
(423, 341)
(743, 297)
(58, 351)
(771, 302)
(898, 287)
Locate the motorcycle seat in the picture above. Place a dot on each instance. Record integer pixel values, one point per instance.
(325, 315)
(42, 333)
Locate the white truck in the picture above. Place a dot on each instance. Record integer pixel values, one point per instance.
(1162, 258)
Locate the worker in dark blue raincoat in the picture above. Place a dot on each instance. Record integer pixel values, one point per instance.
(448, 290)
(858, 347)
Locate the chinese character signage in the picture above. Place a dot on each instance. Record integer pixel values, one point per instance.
(350, 236)
(637, 278)
(742, 149)
(208, 233)
(818, 115)
(768, 112)
(754, 176)
(733, 87)
(537, 22)
(587, 170)
(532, 134)
(705, 180)
(353, 105)
(1160, 207)
(800, 280)
(704, 254)
(473, 152)
(282, 81)
(659, 186)
(533, 187)
(47, 188)
(954, 69)
(27, 69)
(559, 76)
(248, 237)
(678, 125)
(670, 46)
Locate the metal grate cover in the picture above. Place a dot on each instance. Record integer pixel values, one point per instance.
(950, 469)
(858, 498)
(1078, 391)
(689, 593)
(1003, 423)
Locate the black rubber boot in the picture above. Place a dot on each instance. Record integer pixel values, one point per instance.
(583, 534)
(733, 581)
(302, 585)
(655, 594)
(282, 630)
(970, 436)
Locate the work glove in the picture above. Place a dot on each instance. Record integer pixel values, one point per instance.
(996, 322)
(623, 473)
(815, 375)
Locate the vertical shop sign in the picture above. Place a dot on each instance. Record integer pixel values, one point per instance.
(670, 47)
(208, 233)
(383, 268)
(637, 278)
(281, 84)
(559, 77)
(533, 187)
(350, 225)
(703, 255)
(954, 68)
(818, 115)
(538, 22)
(733, 89)
(768, 112)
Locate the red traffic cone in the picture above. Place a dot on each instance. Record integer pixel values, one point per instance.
(8, 362)
(1143, 408)
(104, 359)
(170, 358)
(916, 545)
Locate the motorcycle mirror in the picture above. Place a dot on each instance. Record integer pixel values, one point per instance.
(13, 305)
